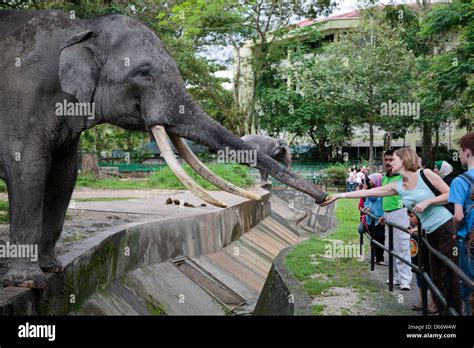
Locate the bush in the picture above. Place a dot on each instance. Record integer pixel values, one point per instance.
(3, 186)
(336, 172)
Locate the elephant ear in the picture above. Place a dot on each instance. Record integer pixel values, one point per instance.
(78, 71)
(279, 148)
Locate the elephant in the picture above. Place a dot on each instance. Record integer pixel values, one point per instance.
(61, 76)
(275, 148)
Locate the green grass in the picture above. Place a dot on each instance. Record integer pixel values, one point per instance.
(112, 183)
(3, 205)
(3, 212)
(77, 236)
(157, 310)
(165, 179)
(3, 186)
(236, 174)
(318, 309)
(307, 258)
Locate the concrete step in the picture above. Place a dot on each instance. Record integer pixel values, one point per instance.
(115, 300)
(164, 284)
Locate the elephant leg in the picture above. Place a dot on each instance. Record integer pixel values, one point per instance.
(58, 191)
(263, 177)
(25, 181)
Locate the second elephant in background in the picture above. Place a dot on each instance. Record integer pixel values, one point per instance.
(275, 148)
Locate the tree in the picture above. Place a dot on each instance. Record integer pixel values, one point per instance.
(353, 81)
(449, 74)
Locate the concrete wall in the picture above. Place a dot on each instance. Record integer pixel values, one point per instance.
(282, 294)
(96, 261)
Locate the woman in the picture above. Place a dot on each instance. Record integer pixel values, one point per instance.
(376, 228)
(444, 170)
(413, 230)
(435, 219)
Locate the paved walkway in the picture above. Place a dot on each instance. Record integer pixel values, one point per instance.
(398, 302)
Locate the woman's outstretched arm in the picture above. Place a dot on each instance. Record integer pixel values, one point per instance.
(383, 191)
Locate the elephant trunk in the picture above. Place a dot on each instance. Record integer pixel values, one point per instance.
(196, 125)
(287, 158)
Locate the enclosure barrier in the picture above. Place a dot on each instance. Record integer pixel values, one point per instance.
(426, 282)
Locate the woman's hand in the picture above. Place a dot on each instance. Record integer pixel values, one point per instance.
(420, 207)
(412, 230)
(330, 199)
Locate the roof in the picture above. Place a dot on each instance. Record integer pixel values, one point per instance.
(355, 14)
(347, 15)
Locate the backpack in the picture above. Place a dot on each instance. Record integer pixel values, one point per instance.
(449, 206)
(470, 209)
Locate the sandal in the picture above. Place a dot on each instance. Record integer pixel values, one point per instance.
(381, 263)
(417, 307)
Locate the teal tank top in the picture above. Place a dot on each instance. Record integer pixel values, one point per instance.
(434, 216)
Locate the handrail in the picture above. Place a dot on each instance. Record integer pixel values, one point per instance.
(426, 281)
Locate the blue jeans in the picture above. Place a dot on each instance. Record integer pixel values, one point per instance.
(466, 263)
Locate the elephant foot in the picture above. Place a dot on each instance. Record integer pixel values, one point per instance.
(51, 264)
(25, 275)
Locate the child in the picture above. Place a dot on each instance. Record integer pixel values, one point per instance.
(413, 229)
(462, 195)
(376, 228)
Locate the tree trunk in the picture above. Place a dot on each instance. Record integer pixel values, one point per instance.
(90, 164)
(387, 144)
(436, 147)
(371, 144)
(237, 76)
(428, 158)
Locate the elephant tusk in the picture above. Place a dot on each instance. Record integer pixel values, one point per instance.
(189, 156)
(161, 138)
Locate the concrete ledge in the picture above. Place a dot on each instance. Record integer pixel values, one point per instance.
(282, 294)
(96, 261)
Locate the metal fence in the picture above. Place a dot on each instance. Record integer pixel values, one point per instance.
(426, 282)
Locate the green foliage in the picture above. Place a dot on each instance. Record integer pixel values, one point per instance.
(3, 205)
(336, 172)
(4, 212)
(447, 77)
(345, 83)
(3, 186)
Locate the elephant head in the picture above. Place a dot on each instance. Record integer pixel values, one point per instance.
(282, 152)
(122, 67)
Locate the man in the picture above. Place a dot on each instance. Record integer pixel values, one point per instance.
(462, 195)
(394, 212)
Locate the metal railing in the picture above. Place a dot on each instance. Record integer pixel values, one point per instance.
(426, 281)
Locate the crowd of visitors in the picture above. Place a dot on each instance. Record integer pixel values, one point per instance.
(442, 204)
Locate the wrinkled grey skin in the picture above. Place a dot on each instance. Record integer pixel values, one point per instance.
(275, 148)
(84, 61)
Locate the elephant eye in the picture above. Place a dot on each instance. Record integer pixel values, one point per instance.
(144, 74)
